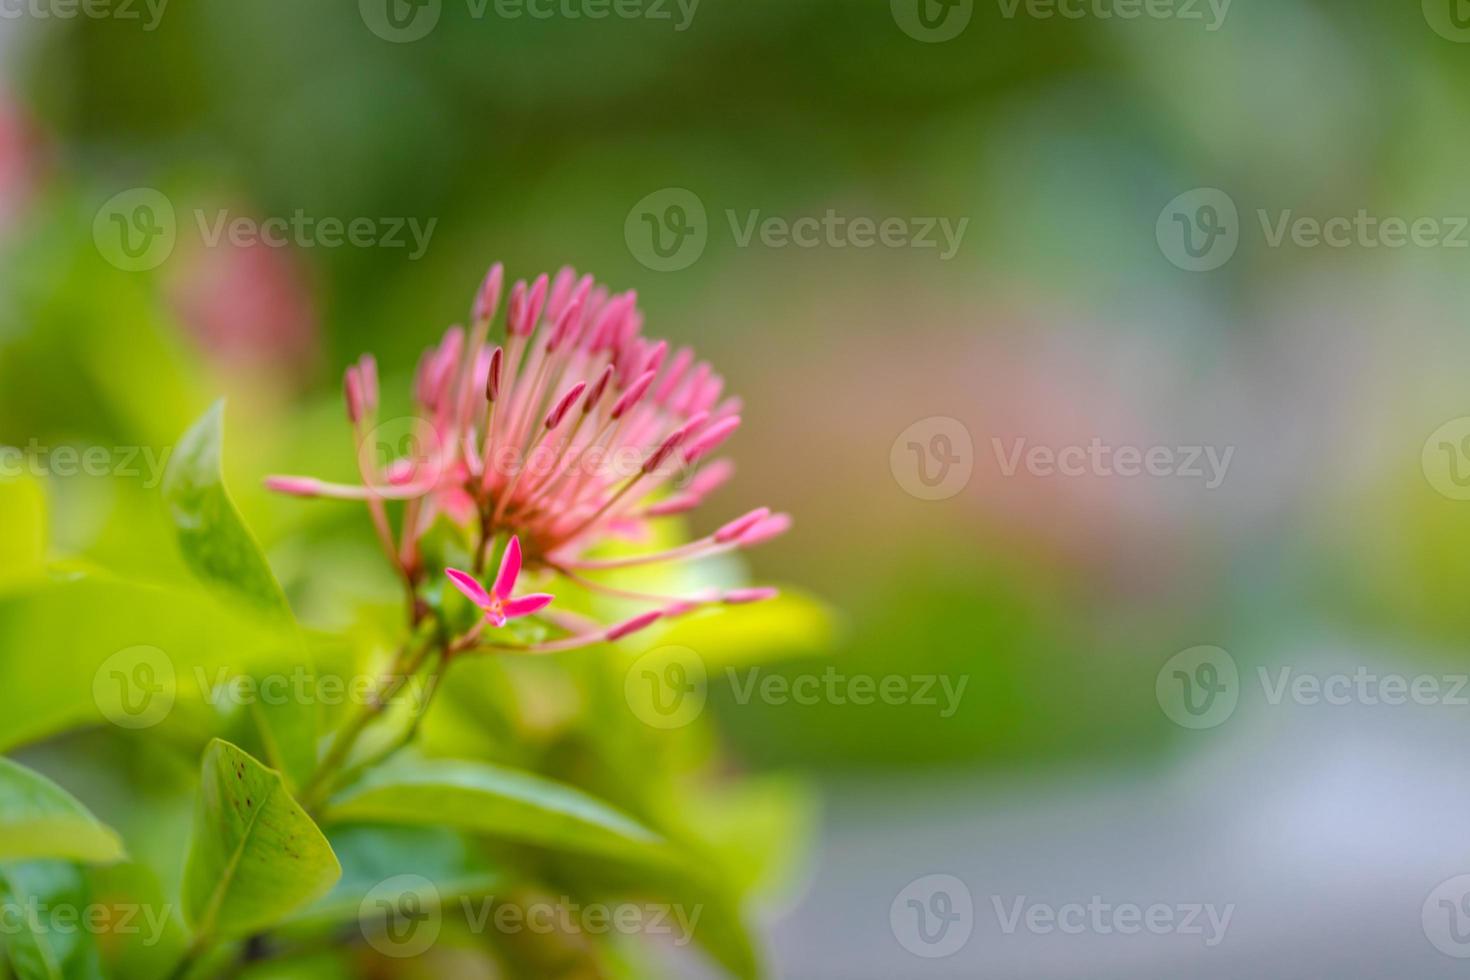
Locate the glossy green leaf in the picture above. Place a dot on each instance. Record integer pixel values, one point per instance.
(88, 650)
(383, 863)
(46, 930)
(39, 819)
(221, 551)
(216, 544)
(504, 803)
(256, 855)
(23, 516)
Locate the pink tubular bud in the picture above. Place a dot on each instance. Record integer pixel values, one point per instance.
(598, 388)
(352, 390)
(633, 395)
(711, 478)
(516, 309)
(536, 302)
(740, 597)
(677, 504)
(741, 524)
(561, 290)
(677, 367)
(655, 357)
(296, 486)
(688, 392)
(634, 625)
(564, 405)
(367, 366)
(771, 527)
(492, 382)
(566, 325)
(488, 298)
(710, 438)
(663, 451)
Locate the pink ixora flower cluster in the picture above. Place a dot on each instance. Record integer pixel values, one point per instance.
(575, 430)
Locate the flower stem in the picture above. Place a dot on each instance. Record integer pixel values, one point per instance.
(313, 794)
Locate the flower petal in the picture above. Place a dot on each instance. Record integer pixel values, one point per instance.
(495, 617)
(467, 584)
(510, 569)
(527, 604)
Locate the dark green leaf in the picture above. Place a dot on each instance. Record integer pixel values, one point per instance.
(48, 934)
(504, 803)
(256, 855)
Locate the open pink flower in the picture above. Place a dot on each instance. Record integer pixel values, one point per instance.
(498, 605)
(568, 430)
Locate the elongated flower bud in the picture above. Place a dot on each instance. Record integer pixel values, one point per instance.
(710, 438)
(352, 391)
(564, 405)
(741, 524)
(634, 625)
(598, 388)
(492, 382)
(631, 397)
(488, 298)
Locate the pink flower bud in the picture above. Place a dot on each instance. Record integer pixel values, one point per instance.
(634, 625)
(632, 396)
(488, 298)
(564, 405)
(740, 597)
(352, 389)
(710, 438)
(771, 527)
(296, 486)
(741, 524)
(492, 382)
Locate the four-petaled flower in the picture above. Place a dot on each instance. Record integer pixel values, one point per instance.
(497, 603)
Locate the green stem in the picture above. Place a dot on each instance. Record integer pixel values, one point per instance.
(313, 794)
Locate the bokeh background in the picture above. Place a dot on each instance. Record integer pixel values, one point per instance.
(1333, 543)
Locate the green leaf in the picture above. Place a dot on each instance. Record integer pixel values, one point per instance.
(23, 515)
(256, 855)
(67, 654)
(46, 933)
(503, 803)
(39, 819)
(220, 550)
(376, 859)
(216, 544)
